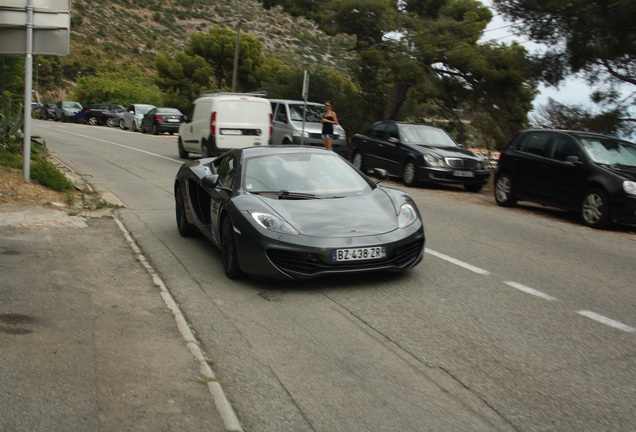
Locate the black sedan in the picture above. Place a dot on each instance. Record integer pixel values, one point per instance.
(418, 153)
(159, 120)
(291, 212)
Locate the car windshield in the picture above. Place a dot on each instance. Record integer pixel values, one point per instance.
(313, 114)
(143, 109)
(168, 111)
(425, 135)
(610, 151)
(320, 174)
(71, 105)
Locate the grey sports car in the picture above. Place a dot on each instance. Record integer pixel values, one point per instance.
(293, 212)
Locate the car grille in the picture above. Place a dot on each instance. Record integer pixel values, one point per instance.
(461, 163)
(310, 264)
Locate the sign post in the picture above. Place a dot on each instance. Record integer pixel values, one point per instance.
(305, 96)
(33, 27)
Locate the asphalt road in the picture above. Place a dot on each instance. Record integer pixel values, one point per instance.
(519, 320)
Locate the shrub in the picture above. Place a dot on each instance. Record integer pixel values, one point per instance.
(45, 173)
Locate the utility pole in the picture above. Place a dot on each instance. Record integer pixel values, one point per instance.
(236, 52)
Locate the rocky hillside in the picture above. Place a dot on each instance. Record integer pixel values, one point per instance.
(134, 31)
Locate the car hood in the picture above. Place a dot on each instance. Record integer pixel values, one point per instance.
(373, 213)
(449, 151)
(629, 173)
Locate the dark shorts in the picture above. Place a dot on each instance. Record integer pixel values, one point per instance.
(330, 136)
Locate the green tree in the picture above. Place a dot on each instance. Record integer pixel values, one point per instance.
(182, 78)
(421, 52)
(577, 117)
(217, 48)
(594, 37)
(124, 87)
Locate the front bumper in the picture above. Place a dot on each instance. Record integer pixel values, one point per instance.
(452, 176)
(280, 256)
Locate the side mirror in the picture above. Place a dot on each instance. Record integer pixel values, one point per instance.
(574, 160)
(380, 174)
(393, 140)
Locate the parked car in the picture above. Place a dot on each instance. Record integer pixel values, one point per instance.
(113, 117)
(94, 114)
(296, 212)
(132, 117)
(159, 120)
(590, 174)
(297, 122)
(67, 110)
(47, 112)
(418, 153)
(222, 121)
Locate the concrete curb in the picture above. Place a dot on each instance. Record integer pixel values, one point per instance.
(223, 406)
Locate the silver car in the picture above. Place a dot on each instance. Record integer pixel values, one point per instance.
(133, 116)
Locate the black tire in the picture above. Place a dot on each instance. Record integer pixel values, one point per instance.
(408, 173)
(92, 120)
(358, 161)
(186, 229)
(155, 131)
(595, 209)
(228, 250)
(205, 148)
(122, 124)
(143, 129)
(110, 122)
(183, 154)
(504, 191)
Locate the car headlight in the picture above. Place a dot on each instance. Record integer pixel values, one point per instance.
(434, 161)
(298, 133)
(629, 187)
(407, 215)
(274, 223)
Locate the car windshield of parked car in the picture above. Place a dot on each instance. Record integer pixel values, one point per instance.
(312, 115)
(168, 111)
(425, 135)
(610, 152)
(71, 105)
(143, 109)
(312, 173)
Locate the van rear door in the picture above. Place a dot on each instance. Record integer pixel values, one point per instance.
(241, 122)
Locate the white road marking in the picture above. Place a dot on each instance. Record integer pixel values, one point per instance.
(457, 262)
(529, 290)
(607, 321)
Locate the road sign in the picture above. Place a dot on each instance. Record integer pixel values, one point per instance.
(50, 22)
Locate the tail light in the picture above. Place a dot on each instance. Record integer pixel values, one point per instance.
(213, 123)
(159, 118)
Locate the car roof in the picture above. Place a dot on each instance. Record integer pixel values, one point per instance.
(282, 149)
(573, 132)
(294, 101)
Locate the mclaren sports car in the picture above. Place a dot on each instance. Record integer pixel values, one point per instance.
(294, 212)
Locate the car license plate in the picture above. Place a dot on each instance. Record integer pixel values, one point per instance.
(173, 120)
(231, 132)
(463, 174)
(357, 254)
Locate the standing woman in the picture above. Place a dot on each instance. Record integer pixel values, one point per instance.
(329, 119)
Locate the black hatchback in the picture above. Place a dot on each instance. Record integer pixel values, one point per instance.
(590, 174)
(418, 153)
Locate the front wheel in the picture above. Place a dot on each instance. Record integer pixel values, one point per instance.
(595, 209)
(408, 173)
(110, 122)
(122, 124)
(92, 120)
(504, 192)
(356, 161)
(228, 250)
(186, 229)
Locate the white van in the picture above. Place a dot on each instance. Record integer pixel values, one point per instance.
(223, 121)
(289, 128)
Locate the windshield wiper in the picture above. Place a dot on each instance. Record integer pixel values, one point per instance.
(285, 194)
